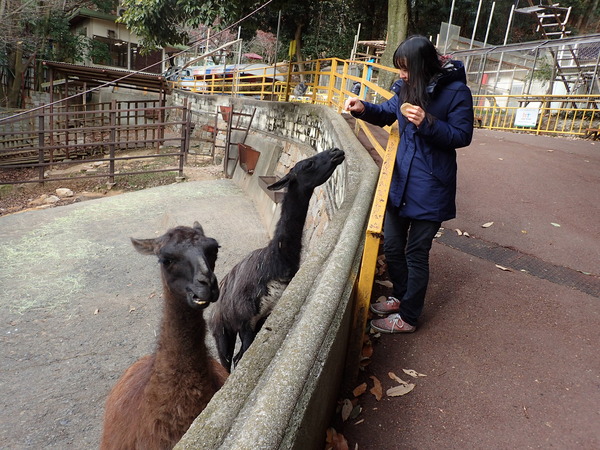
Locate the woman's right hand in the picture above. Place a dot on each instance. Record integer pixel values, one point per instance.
(353, 104)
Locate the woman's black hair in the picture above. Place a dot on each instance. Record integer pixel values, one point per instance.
(419, 57)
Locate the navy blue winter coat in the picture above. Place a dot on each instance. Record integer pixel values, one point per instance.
(424, 179)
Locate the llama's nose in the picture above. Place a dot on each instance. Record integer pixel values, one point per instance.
(207, 279)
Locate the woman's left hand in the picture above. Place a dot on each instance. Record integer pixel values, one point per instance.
(416, 115)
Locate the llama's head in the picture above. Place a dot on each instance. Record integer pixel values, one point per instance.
(311, 172)
(187, 258)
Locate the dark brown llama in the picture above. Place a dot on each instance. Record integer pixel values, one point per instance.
(251, 289)
(159, 396)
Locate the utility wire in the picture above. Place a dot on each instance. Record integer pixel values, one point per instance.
(109, 83)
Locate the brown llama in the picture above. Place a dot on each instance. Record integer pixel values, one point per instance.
(159, 396)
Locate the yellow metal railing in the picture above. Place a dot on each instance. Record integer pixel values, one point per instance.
(573, 115)
(329, 82)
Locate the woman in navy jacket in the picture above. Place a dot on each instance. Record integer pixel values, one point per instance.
(422, 194)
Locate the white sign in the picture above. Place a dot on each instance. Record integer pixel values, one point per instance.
(526, 117)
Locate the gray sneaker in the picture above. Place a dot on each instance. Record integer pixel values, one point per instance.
(391, 305)
(392, 324)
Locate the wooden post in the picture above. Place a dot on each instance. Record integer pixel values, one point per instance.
(113, 137)
(41, 148)
(186, 129)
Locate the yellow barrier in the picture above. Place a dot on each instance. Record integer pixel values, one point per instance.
(572, 115)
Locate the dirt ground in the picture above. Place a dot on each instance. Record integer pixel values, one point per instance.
(69, 339)
(32, 196)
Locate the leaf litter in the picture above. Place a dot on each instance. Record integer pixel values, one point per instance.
(376, 390)
(403, 387)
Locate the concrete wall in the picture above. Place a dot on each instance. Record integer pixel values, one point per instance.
(284, 391)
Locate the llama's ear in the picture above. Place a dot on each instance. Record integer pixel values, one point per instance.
(280, 184)
(144, 246)
(198, 227)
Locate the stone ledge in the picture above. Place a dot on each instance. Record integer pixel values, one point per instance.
(284, 390)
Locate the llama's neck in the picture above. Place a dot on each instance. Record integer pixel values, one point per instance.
(181, 342)
(288, 232)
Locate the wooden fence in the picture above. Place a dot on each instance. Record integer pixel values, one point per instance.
(62, 136)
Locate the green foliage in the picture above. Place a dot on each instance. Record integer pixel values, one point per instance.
(543, 72)
(329, 37)
(164, 22)
(99, 52)
(61, 44)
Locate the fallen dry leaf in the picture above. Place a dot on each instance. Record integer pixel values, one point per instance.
(506, 269)
(487, 224)
(465, 234)
(397, 391)
(413, 373)
(96, 312)
(355, 412)
(335, 440)
(555, 224)
(364, 363)
(458, 232)
(359, 390)
(367, 351)
(347, 408)
(396, 378)
(376, 390)
(385, 283)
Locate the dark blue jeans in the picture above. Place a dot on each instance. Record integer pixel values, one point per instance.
(406, 244)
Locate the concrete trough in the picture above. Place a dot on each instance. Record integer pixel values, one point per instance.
(283, 392)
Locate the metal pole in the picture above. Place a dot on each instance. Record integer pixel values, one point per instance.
(448, 29)
(239, 60)
(206, 48)
(355, 46)
(594, 79)
(484, 59)
(537, 54)
(275, 57)
(512, 11)
(473, 35)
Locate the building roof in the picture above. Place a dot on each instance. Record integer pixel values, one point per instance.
(97, 76)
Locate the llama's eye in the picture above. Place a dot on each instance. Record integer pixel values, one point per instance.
(165, 261)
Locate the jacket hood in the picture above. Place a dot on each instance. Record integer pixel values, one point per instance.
(452, 70)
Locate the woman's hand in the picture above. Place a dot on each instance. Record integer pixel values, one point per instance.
(353, 104)
(415, 114)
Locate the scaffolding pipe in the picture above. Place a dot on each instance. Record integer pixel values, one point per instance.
(448, 29)
(467, 64)
(595, 76)
(484, 59)
(355, 46)
(537, 53)
(510, 17)
(276, 50)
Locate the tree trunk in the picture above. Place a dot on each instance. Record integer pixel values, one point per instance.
(396, 33)
(16, 75)
(299, 59)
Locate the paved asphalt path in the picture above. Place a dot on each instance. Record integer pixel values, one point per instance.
(510, 356)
